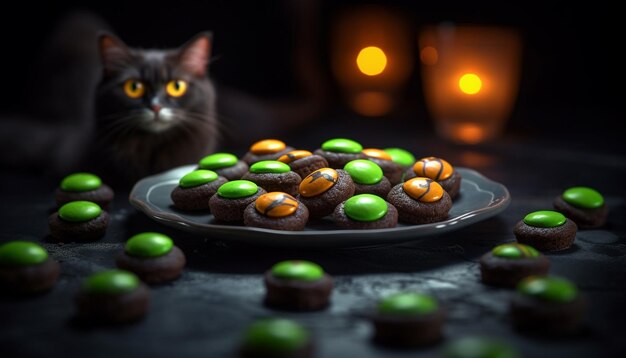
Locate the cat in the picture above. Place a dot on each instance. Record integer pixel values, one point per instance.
(155, 109)
(121, 112)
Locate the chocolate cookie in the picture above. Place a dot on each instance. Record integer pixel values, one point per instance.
(407, 320)
(84, 187)
(195, 189)
(276, 338)
(479, 347)
(278, 211)
(273, 175)
(112, 296)
(297, 285)
(26, 268)
(393, 171)
(507, 264)
(420, 201)
(365, 211)
(153, 257)
(584, 205)
(438, 170)
(547, 306)
(232, 198)
(401, 156)
(324, 189)
(225, 165)
(303, 162)
(267, 149)
(78, 221)
(546, 230)
(339, 151)
(368, 177)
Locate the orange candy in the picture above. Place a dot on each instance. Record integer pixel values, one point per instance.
(423, 189)
(318, 182)
(276, 204)
(433, 168)
(376, 153)
(294, 155)
(267, 146)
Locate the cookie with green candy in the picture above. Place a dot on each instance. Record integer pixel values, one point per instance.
(368, 177)
(547, 305)
(26, 268)
(507, 264)
(195, 189)
(276, 338)
(478, 347)
(83, 186)
(339, 151)
(365, 211)
(393, 171)
(584, 205)
(546, 230)
(297, 285)
(408, 320)
(226, 165)
(153, 257)
(401, 156)
(78, 221)
(274, 175)
(231, 199)
(266, 149)
(112, 296)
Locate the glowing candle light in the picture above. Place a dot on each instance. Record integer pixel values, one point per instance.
(371, 61)
(470, 83)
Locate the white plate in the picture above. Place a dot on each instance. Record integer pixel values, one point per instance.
(479, 199)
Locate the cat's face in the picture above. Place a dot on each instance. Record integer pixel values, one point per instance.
(153, 91)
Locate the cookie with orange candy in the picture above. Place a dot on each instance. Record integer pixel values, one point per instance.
(438, 170)
(278, 211)
(266, 149)
(303, 162)
(420, 201)
(324, 189)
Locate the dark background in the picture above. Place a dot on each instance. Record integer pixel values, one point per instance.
(571, 75)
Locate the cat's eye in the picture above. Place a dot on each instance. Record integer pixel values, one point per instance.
(176, 88)
(134, 88)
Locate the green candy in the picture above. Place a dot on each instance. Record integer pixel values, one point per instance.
(515, 251)
(197, 178)
(365, 207)
(81, 182)
(401, 156)
(551, 289)
(149, 244)
(237, 189)
(583, 197)
(269, 166)
(364, 171)
(79, 211)
(545, 218)
(218, 161)
(407, 304)
(342, 145)
(478, 347)
(275, 335)
(111, 282)
(22, 253)
(300, 270)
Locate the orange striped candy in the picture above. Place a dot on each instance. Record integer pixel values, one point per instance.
(318, 182)
(267, 146)
(376, 153)
(433, 168)
(294, 155)
(276, 204)
(423, 189)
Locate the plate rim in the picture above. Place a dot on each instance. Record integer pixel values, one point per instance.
(138, 198)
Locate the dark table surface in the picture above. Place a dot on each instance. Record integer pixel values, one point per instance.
(204, 313)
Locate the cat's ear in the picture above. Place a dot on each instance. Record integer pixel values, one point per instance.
(114, 53)
(195, 54)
